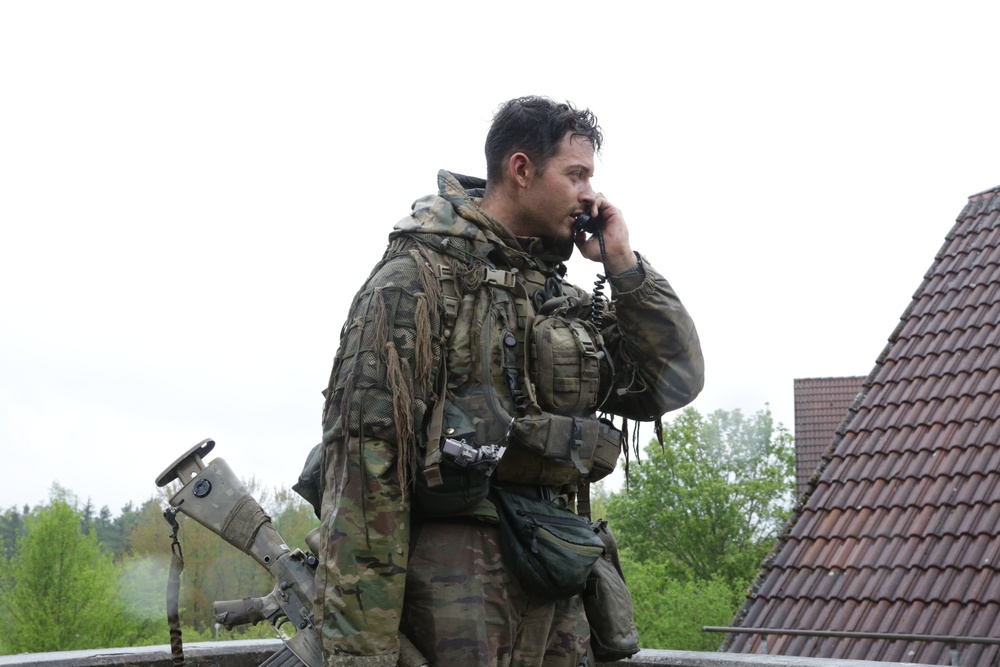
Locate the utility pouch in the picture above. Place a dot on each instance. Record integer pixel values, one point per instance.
(571, 448)
(456, 483)
(461, 488)
(548, 548)
(565, 364)
(446, 486)
(606, 451)
(608, 603)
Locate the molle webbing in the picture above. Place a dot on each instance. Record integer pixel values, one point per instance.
(449, 293)
(446, 275)
(512, 372)
(570, 447)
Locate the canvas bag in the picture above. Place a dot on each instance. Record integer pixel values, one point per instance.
(548, 548)
(608, 603)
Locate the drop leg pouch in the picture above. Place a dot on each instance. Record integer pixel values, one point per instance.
(548, 548)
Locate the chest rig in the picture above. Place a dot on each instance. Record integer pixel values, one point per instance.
(522, 371)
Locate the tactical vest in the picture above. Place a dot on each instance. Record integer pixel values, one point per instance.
(523, 370)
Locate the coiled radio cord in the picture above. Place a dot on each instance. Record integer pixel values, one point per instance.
(597, 307)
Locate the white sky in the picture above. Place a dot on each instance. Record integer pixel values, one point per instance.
(191, 192)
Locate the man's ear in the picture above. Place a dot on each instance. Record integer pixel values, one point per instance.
(521, 169)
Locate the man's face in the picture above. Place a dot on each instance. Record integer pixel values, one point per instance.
(554, 197)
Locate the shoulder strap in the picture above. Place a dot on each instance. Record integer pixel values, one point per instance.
(174, 589)
(432, 457)
(583, 500)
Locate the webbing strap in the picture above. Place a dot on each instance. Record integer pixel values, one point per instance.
(432, 451)
(575, 444)
(432, 458)
(449, 292)
(174, 590)
(583, 339)
(583, 500)
(511, 371)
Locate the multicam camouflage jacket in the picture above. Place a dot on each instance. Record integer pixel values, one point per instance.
(439, 341)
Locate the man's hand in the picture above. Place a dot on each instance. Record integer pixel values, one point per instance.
(616, 244)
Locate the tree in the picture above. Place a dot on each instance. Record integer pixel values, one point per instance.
(113, 533)
(57, 592)
(710, 502)
(64, 589)
(697, 519)
(670, 613)
(11, 527)
(87, 517)
(599, 495)
(293, 517)
(141, 589)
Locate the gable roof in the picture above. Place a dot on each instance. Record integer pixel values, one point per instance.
(900, 532)
(821, 406)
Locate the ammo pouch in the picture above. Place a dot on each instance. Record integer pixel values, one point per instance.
(608, 603)
(548, 548)
(570, 448)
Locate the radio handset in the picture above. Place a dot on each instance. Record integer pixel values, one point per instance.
(585, 223)
(595, 226)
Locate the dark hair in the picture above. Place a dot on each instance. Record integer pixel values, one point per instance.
(535, 126)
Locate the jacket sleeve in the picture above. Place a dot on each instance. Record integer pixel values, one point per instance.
(376, 404)
(654, 346)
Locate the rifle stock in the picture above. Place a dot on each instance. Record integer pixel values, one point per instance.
(213, 496)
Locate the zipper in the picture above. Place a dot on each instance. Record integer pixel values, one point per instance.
(538, 528)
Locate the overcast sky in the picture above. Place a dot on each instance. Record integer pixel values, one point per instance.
(191, 193)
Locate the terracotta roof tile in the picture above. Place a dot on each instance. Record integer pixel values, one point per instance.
(821, 407)
(898, 531)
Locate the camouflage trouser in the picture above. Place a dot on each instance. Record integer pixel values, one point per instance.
(464, 608)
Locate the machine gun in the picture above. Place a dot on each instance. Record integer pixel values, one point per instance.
(213, 496)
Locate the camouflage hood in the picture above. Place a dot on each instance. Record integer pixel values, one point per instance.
(454, 211)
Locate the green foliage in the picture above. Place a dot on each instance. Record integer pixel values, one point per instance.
(599, 496)
(141, 590)
(78, 579)
(113, 533)
(58, 590)
(699, 517)
(710, 502)
(11, 527)
(670, 612)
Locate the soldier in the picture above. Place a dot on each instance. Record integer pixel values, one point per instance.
(467, 364)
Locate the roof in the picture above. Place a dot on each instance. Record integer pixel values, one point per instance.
(821, 406)
(900, 531)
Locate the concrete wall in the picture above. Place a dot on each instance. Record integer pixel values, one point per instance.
(251, 653)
